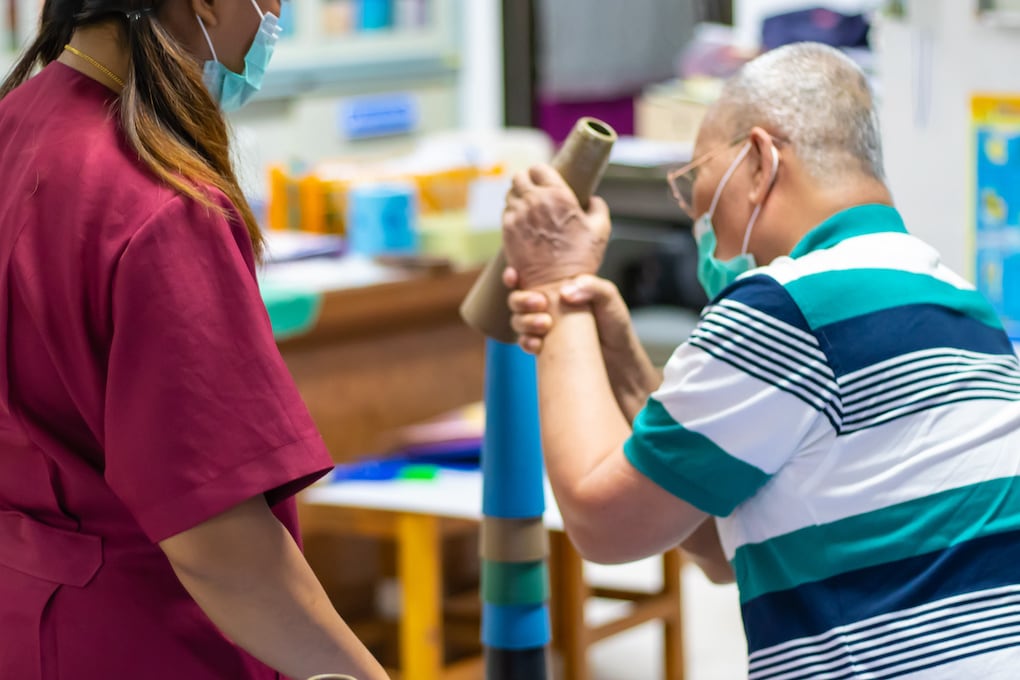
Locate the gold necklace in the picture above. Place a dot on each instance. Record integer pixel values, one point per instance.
(105, 71)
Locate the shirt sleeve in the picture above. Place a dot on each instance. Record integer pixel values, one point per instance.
(738, 400)
(201, 412)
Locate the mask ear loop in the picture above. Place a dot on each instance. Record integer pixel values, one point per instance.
(757, 208)
(208, 40)
(262, 15)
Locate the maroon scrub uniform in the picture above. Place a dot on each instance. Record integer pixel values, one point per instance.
(141, 393)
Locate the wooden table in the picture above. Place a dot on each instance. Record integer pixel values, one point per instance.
(417, 514)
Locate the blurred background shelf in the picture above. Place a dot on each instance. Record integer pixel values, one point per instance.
(393, 59)
(326, 45)
(329, 49)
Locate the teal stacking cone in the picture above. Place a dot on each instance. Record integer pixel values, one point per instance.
(513, 485)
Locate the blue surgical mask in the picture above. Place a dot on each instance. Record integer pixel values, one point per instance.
(234, 90)
(715, 274)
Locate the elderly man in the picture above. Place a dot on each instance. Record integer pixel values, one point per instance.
(840, 432)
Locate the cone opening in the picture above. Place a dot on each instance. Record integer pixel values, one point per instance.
(600, 128)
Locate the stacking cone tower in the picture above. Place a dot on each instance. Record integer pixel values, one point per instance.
(514, 544)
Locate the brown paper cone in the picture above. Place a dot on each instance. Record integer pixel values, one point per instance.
(581, 161)
(584, 157)
(485, 307)
(513, 540)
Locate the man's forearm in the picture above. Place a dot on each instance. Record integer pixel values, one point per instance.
(249, 577)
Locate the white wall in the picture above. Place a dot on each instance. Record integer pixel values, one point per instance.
(928, 138)
(481, 81)
(748, 14)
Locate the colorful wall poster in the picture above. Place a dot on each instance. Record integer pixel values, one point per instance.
(996, 124)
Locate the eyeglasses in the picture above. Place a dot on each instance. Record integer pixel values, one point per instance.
(681, 181)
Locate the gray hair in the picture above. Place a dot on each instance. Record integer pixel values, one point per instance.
(816, 98)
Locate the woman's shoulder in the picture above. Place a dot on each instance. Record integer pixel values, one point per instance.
(186, 224)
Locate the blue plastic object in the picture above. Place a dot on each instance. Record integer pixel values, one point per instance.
(459, 456)
(376, 14)
(378, 116)
(382, 219)
(515, 627)
(369, 470)
(512, 451)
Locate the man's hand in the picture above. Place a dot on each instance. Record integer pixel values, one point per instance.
(547, 237)
(631, 373)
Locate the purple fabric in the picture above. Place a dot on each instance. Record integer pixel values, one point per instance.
(815, 25)
(557, 118)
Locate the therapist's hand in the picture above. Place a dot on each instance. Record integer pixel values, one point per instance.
(631, 373)
(547, 237)
(532, 319)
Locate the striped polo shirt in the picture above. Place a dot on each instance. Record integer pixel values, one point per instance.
(851, 415)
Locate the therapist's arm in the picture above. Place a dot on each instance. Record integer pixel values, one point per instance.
(632, 375)
(612, 512)
(247, 574)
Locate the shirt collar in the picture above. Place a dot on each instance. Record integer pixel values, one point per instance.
(860, 220)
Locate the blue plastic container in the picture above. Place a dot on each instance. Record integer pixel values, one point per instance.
(376, 15)
(382, 219)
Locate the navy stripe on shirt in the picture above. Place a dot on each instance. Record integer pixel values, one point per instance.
(999, 632)
(812, 609)
(767, 295)
(854, 344)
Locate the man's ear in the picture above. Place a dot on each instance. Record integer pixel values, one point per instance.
(765, 159)
(207, 11)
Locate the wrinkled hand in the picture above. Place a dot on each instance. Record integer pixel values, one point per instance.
(547, 237)
(532, 320)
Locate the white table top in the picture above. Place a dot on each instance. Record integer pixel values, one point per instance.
(452, 493)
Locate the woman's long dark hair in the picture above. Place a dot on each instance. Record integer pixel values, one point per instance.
(166, 112)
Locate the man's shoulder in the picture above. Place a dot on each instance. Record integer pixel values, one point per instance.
(867, 275)
(760, 293)
(756, 317)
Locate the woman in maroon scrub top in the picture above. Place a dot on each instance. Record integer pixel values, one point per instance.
(151, 438)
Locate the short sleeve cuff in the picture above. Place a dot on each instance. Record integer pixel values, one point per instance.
(689, 465)
(278, 475)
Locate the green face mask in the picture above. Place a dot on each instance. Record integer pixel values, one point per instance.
(715, 274)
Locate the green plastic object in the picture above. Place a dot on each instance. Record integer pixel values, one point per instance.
(514, 584)
(424, 473)
(292, 312)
